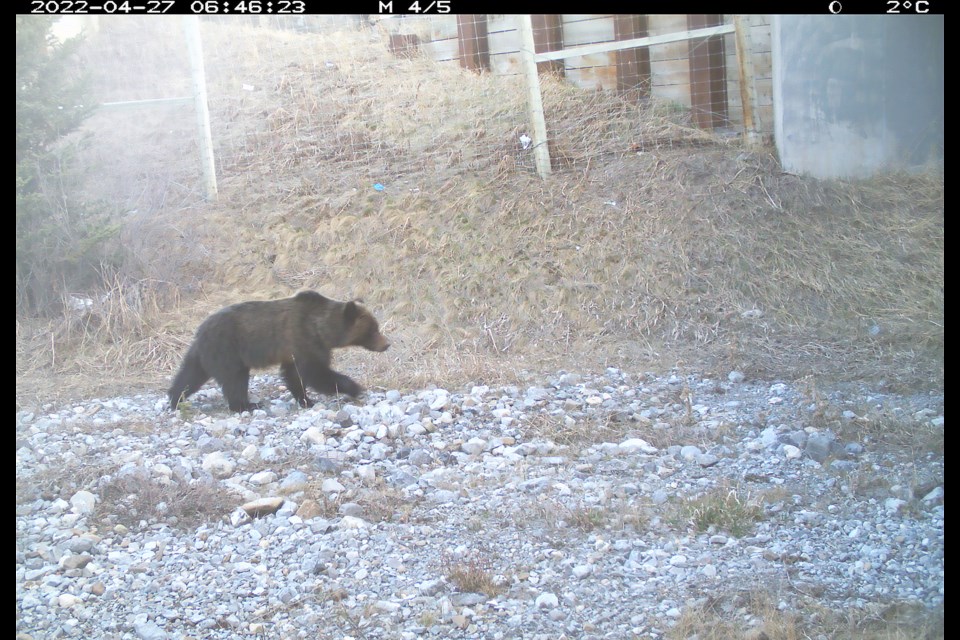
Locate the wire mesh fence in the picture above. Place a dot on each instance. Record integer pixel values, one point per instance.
(353, 101)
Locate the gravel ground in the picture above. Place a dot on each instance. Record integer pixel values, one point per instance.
(617, 505)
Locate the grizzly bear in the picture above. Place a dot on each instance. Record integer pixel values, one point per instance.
(297, 333)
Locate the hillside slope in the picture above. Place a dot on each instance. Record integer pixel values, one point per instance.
(653, 244)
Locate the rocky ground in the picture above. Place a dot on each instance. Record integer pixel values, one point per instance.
(622, 505)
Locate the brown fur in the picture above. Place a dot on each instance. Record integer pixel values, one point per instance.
(297, 333)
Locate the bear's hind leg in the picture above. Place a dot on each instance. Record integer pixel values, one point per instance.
(235, 385)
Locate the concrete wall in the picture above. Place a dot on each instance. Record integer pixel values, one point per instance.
(856, 95)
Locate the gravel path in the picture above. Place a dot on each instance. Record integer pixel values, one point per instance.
(610, 506)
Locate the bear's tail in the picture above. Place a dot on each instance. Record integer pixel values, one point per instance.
(188, 380)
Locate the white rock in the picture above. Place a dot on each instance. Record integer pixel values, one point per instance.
(893, 504)
(83, 502)
(263, 477)
(633, 445)
(67, 600)
(581, 571)
(149, 631)
(331, 485)
(162, 470)
(690, 452)
(546, 601)
(218, 465)
(474, 446)
(351, 522)
(367, 473)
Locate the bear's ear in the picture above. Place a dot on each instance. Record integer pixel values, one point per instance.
(351, 311)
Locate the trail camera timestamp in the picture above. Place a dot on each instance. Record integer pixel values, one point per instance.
(416, 6)
(203, 7)
(211, 7)
(66, 7)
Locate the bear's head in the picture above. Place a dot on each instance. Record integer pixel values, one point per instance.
(362, 328)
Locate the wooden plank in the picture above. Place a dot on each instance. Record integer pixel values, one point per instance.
(594, 71)
(404, 45)
(502, 22)
(593, 78)
(443, 28)
(677, 93)
(442, 50)
(734, 103)
(671, 72)
(502, 41)
(636, 42)
(593, 60)
(154, 102)
(506, 64)
(662, 23)
(571, 18)
(588, 31)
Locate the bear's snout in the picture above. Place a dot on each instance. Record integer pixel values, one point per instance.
(380, 345)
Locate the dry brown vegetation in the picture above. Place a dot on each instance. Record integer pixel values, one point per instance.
(724, 508)
(654, 245)
(473, 573)
(755, 615)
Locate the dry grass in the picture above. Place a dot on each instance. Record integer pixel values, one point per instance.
(136, 499)
(723, 508)
(472, 574)
(892, 621)
(894, 428)
(739, 616)
(557, 517)
(133, 499)
(875, 424)
(582, 433)
(755, 615)
(653, 245)
(118, 341)
(379, 503)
